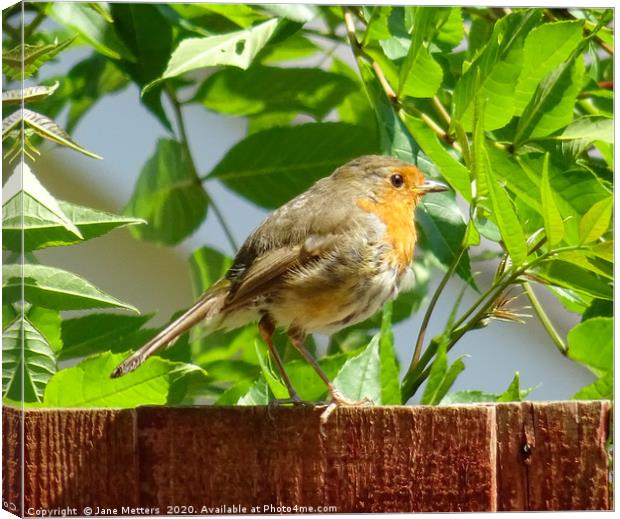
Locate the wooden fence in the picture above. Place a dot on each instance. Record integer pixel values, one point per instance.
(212, 460)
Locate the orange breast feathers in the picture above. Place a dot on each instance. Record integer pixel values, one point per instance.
(396, 212)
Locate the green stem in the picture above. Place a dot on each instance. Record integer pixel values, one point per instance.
(427, 315)
(544, 319)
(178, 112)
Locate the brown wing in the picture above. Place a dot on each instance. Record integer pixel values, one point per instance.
(267, 270)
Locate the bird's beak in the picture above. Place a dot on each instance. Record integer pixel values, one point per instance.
(431, 186)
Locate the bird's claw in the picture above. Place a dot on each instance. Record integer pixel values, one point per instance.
(338, 399)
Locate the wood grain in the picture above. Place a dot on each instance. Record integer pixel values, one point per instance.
(517, 456)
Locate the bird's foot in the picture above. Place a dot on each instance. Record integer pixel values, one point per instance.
(338, 399)
(294, 400)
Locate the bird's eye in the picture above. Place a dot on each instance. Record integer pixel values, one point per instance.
(397, 180)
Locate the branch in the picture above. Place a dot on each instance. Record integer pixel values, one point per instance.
(176, 105)
(544, 319)
(359, 52)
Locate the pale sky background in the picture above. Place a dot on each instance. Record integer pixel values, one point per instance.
(157, 278)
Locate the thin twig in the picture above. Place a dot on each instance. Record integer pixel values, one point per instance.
(185, 143)
(442, 111)
(544, 319)
(429, 310)
(359, 52)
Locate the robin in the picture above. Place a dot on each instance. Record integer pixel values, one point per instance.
(328, 259)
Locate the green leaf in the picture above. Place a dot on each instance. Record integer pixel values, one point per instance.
(41, 229)
(507, 220)
(554, 226)
(591, 344)
(28, 95)
(236, 49)
(468, 396)
(43, 126)
(441, 376)
(89, 81)
(47, 322)
(96, 333)
(590, 129)
(442, 232)
(263, 89)
(286, 161)
(146, 32)
(595, 222)
(294, 48)
(551, 108)
(360, 376)
(258, 394)
(26, 195)
(567, 275)
(514, 393)
(25, 60)
(208, 15)
(454, 172)
(277, 387)
(355, 108)
(298, 13)
(389, 372)
(575, 190)
(51, 287)
(420, 75)
(35, 359)
(601, 389)
(91, 27)
(394, 138)
(546, 47)
(168, 195)
(88, 384)
(207, 265)
(494, 72)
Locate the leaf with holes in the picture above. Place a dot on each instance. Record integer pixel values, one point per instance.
(236, 49)
(26, 59)
(51, 287)
(168, 195)
(33, 357)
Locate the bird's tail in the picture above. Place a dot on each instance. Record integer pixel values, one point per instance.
(207, 308)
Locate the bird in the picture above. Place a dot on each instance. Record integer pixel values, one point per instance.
(327, 259)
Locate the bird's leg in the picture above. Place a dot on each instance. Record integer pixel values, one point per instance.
(266, 329)
(297, 340)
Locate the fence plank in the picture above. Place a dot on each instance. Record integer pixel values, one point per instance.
(373, 459)
(552, 456)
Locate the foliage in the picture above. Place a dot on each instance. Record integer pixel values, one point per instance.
(513, 108)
